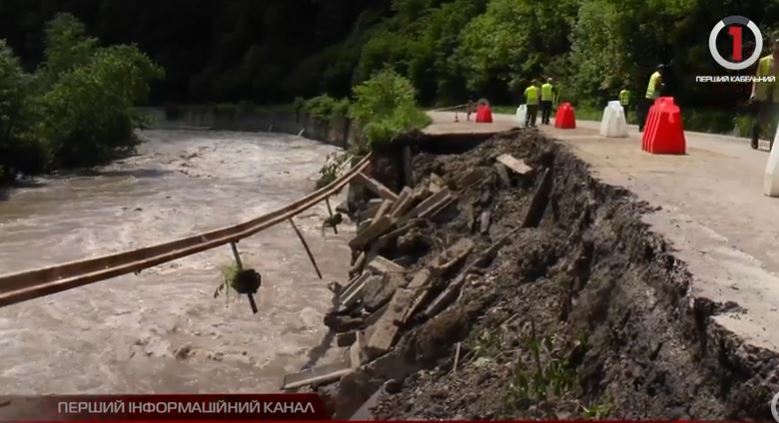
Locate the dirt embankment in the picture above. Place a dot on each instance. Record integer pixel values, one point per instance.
(585, 314)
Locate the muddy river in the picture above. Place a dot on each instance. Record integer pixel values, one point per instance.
(163, 331)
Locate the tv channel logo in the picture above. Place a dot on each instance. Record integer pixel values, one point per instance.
(735, 26)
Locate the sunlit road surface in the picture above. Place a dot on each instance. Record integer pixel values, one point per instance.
(712, 210)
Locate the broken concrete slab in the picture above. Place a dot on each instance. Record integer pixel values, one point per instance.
(317, 375)
(516, 165)
(503, 175)
(379, 293)
(382, 265)
(375, 186)
(386, 329)
(452, 257)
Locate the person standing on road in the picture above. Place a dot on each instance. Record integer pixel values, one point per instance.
(624, 100)
(761, 100)
(547, 96)
(653, 90)
(531, 100)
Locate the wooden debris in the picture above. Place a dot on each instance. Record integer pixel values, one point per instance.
(375, 186)
(373, 205)
(420, 287)
(452, 291)
(439, 207)
(503, 175)
(375, 230)
(518, 166)
(452, 257)
(471, 178)
(404, 203)
(540, 200)
(305, 246)
(383, 209)
(352, 292)
(358, 264)
(365, 224)
(386, 329)
(484, 222)
(421, 193)
(317, 375)
(456, 358)
(382, 265)
(429, 204)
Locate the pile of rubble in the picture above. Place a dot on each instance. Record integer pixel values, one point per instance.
(386, 297)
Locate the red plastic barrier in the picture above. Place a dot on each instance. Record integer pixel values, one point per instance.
(483, 114)
(664, 131)
(565, 117)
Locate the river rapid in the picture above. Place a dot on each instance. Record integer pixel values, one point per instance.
(163, 331)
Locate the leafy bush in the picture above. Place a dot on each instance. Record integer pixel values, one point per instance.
(325, 107)
(385, 107)
(90, 110)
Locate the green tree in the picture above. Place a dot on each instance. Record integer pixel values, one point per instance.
(90, 110)
(19, 152)
(67, 47)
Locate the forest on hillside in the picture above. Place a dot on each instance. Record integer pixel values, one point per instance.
(269, 51)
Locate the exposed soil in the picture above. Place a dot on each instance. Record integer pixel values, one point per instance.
(586, 315)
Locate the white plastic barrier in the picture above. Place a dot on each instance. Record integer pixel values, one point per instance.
(522, 115)
(771, 176)
(614, 123)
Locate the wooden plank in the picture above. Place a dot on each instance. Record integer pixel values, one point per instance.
(518, 166)
(317, 375)
(383, 265)
(375, 186)
(404, 203)
(358, 264)
(375, 230)
(352, 293)
(429, 203)
(386, 330)
(471, 178)
(384, 209)
(438, 207)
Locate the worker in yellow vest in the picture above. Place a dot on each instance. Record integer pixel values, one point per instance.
(624, 100)
(531, 100)
(547, 97)
(653, 90)
(763, 94)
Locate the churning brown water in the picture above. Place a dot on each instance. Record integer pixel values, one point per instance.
(163, 331)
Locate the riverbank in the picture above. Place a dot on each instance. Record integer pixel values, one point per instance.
(584, 312)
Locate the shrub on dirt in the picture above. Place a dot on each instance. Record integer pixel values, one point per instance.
(325, 107)
(385, 107)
